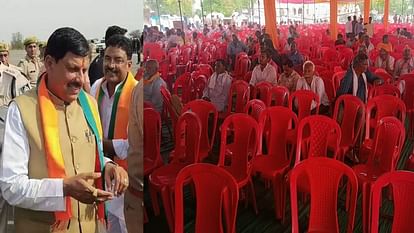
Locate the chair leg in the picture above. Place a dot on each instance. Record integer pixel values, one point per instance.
(166, 201)
(366, 207)
(278, 195)
(253, 195)
(154, 200)
(145, 215)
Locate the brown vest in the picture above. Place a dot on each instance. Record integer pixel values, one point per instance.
(79, 155)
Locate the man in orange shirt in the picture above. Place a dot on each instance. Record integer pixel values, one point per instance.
(385, 44)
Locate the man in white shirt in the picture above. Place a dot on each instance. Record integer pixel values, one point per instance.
(113, 94)
(385, 61)
(370, 27)
(405, 65)
(348, 26)
(367, 42)
(52, 150)
(264, 72)
(311, 82)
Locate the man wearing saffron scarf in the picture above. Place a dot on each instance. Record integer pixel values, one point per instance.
(52, 167)
(113, 93)
(152, 85)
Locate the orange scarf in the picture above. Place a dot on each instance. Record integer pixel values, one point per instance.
(120, 111)
(151, 79)
(54, 157)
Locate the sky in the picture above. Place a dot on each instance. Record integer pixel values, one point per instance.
(91, 17)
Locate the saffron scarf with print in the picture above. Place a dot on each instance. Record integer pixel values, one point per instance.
(120, 111)
(54, 158)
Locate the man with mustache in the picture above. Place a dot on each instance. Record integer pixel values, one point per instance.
(52, 165)
(113, 94)
(31, 64)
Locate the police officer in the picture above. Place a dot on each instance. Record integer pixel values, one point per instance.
(12, 81)
(31, 64)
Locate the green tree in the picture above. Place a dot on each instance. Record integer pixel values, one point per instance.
(17, 41)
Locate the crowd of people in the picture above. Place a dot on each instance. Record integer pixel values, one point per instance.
(72, 151)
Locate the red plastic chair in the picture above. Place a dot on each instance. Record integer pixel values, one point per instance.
(384, 76)
(385, 89)
(182, 87)
(254, 108)
(337, 78)
(242, 67)
(214, 199)
(198, 84)
(377, 108)
(386, 149)
(330, 55)
(205, 69)
(402, 188)
(248, 76)
(239, 143)
(315, 135)
(168, 110)
(349, 112)
(162, 180)
(301, 101)
(279, 96)
(152, 140)
(208, 115)
(238, 97)
(275, 123)
(262, 91)
(153, 51)
(408, 98)
(329, 89)
(324, 176)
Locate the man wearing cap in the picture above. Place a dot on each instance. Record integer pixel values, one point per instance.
(31, 64)
(12, 81)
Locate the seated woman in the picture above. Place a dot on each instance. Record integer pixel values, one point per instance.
(218, 86)
(311, 82)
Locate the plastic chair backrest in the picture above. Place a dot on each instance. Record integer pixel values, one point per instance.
(152, 136)
(241, 90)
(402, 183)
(384, 76)
(279, 96)
(385, 89)
(262, 92)
(329, 89)
(204, 110)
(210, 197)
(205, 69)
(275, 122)
(242, 67)
(314, 133)
(181, 87)
(408, 95)
(349, 112)
(248, 76)
(166, 96)
(241, 131)
(388, 142)
(302, 101)
(254, 108)
(187, 139)
(324, 176)
(337, 78)
(383, 105)
(198, 83)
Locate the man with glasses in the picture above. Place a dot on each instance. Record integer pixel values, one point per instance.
(31, 64)
(13, 82)
(113, 93)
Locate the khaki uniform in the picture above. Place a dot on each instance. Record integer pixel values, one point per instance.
(31, 68)
(78, 154)
(12, 83)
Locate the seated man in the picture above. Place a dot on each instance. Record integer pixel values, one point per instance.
(385, 61)
(152, 85)
(218, 86)
(385, 44)
(357, 78)
(405, 65)
(340, 40)
(289, 77)
(311, 82)
(264, 72)
(294, 55)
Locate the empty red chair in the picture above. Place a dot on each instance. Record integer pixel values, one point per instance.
(349, 112)
(208, 115)
(384, 76)
(205, 69)
(407, 81)
(384, 155)
(198, 84)
(153, 51)
(385, 89)
(324, 176)
(315, 135)
(401, 185)
(301, 102)
(162, 180)
(261, 91)
(329, 89)
(330, 55)
(181, 87)
(254, 108)
(239, 143)
(275, 123)
(211, 198)
(168, 111)
(242, 67)
(377, 108)
(279, 96)
(152, 140)
(238, 97)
